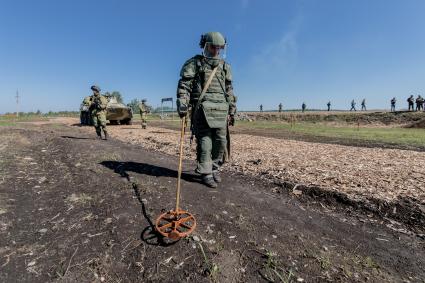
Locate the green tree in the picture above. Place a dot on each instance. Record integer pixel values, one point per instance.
(134, 105)
(115, 94)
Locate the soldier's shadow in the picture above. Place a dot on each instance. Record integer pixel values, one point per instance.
(149, 234)
(122, 168)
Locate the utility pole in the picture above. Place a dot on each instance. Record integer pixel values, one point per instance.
(17, 104)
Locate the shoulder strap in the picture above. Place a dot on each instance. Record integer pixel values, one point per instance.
(204, 90)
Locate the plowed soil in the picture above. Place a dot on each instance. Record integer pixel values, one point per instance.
(77, 209)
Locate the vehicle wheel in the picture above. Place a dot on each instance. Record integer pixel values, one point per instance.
(126, 122)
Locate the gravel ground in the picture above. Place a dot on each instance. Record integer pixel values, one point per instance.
(359, 172)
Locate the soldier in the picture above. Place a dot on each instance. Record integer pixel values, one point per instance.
(419, 103)
(280, 107)
(85, 116)
(364, 104)
(144, 111)
(303, 107)
(329, 106)
(393, 101)
(98, 112)
(410, 102)
(206, 86)
(261, 108)
(353, 105)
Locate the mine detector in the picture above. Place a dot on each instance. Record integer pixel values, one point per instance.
(176, 224)
(116, 113)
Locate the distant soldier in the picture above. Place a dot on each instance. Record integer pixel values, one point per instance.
(261, 107)
(419, 103)
(353, 105)
(364, 104)
(85, 116)
(280, 107)
(422, 103)
(144, 111)
(393, 101)
(303, 107)
(329, 106)
(410, 101)
(98, 112)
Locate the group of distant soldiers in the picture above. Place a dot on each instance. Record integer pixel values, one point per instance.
(420, 103)
(97, 104)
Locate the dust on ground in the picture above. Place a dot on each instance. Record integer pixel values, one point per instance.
(80, 209)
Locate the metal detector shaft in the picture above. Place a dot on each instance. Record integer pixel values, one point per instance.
(179, 174)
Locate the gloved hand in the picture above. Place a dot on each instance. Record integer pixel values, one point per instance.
(182, 108)
(182, 111)
(231, 120)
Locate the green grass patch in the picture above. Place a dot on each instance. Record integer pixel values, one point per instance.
(395, 135)
(7, 123)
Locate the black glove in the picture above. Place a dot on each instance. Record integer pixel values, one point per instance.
(231, 120)
(182, 109)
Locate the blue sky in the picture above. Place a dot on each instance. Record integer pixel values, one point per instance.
(280, 51)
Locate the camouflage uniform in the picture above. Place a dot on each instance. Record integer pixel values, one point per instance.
(144, 110)
(303, 107)
(329, 106)
(98, 112)
(410, 101)
(353, 105)
(216, 109)
(364, 104)
(261, 108)
(393, 101)
(280, 107)
(85, 116)
(419, 103)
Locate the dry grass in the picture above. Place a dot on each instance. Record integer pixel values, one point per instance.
(359, 172)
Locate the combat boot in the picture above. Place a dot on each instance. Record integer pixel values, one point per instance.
(208, 180)
(106, 135)
(216, 176)
(99, 135)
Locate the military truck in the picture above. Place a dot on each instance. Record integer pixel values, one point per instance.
(116, 113)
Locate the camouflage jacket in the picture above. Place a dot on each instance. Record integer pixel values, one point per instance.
(98, 104)
(143, 108)
(219, 96)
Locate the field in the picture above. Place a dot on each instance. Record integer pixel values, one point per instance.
(319, 198)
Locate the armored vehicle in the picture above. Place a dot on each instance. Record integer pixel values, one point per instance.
(116, 113)
(85, 116)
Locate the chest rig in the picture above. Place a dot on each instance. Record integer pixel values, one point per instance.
(213, 104)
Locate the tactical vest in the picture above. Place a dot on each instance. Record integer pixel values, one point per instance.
(214, 105)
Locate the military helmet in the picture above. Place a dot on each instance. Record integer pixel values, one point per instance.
(214, 38)
(144, 100)
(95, 88)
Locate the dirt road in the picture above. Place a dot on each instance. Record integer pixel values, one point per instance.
(76, 209)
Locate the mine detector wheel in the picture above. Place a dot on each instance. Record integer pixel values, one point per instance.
(176, 224)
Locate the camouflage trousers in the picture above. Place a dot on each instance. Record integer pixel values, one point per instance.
(99, 121)
(144, 121)
(211, 146)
